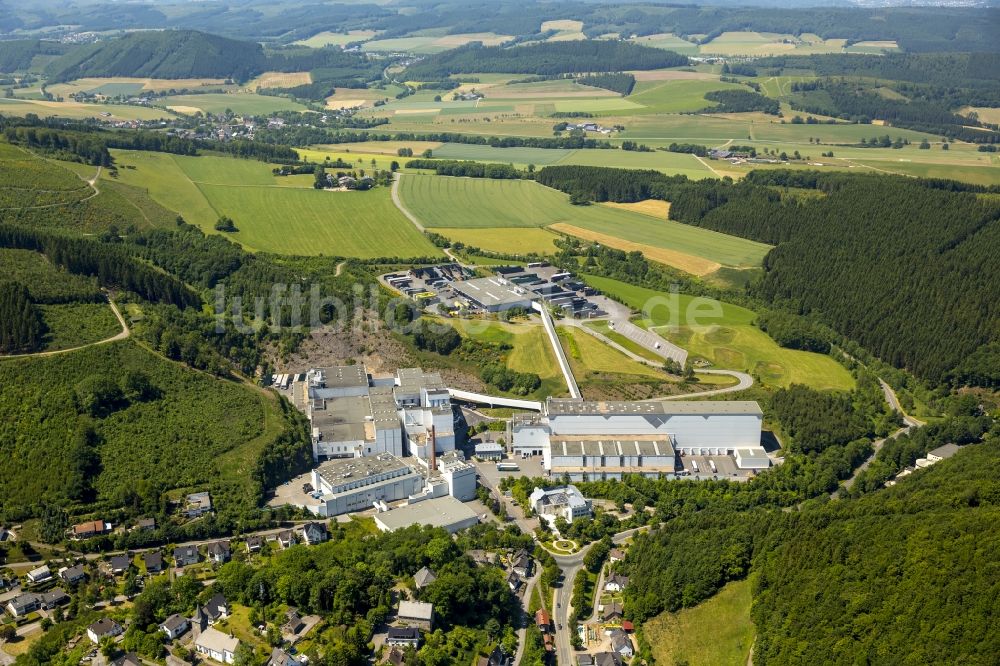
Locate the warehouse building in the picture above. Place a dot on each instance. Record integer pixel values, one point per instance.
(608, 439)
(356, 484)
(445, 512)
(494, 294)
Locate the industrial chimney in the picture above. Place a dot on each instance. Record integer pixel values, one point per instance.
(433, 458)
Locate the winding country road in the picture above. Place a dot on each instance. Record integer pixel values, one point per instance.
(399, 204)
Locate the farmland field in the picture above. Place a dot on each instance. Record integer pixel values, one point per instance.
(238, 102)
(440, 201)
(537, 156)
(322, 39)
(429, 44)
(676, 96)
(271, 213)
(79, 110)
(716, 632)
(280, 80)
(503, 239)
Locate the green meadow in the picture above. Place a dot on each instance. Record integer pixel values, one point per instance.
(275, 214)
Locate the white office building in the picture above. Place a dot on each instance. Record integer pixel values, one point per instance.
(564, 502)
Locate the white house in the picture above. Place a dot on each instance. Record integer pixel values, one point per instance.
(616, 583)
(103, 628)
(216, 645)
(563, 502)
(40, 574)
(174, 626)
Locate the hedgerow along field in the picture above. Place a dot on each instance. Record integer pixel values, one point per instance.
(475, 203)
(284, 215)
(725, 335)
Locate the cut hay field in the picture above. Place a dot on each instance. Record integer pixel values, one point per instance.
(652, 207)
(380, 148)
(685, 262)
(767, 43)
(440, 201)
(280, 80)
(249, 103)
(716, 632)
(273, 214)
(725, 335)
(430, 44)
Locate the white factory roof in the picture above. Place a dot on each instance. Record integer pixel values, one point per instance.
(603, 445)
(438, 512)
(568, 406)
(492, 291)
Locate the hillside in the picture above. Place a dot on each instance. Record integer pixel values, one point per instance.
(173, 54)
(547, 58)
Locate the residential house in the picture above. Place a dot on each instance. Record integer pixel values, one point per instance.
(218, 552)
(216, 645)
(73, 575)
(313, 533)
(543, 620)
(105, 627)
(585, 660)
(347, 181)
(185, 555)
(146, 524)
(286, 538)
(130, 659)
(423, 578)
(39, 575)
(216, 609)
(396, 657)
(607, 659)
(198, 504)
(615, 583)
(54, 597)
(153, 561)
(621, 644)
(293, 622)
(612, 611)
(522, 565)
(616, 555)
(942, 453)
(119, 564)
(513, 581)
(496, 658)
(416, 614)
(89, 529)
(174, 626)
(483, 557)
(23, 604)
(281, 658)
(403, 637)
(254, 544)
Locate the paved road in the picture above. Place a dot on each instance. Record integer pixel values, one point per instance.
(526, 619)
(550, 330)
(571, 565)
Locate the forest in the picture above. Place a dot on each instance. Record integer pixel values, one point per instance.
(546, 58)
(738, 101)
(922, 300)
(618, 82)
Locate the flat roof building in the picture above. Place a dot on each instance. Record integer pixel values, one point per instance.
(416, 614)
(355, 484)
(752, 457)
(609, 457)
(445, 512)
(494, 294)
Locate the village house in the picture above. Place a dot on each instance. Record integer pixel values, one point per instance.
(130, 659)
(153, 561)
(612, 611)
(216, 645)
(423, 578)
(73, 575)
(90, 529)
(286, 539)
(146, 524)
(105, 627)
(293, 622)
(216, 609)
(218, 552)
(513, 581)
(39, 575)
(174, 626)
(281, 658)
(254, 544)
(185, 556)
(403, 637)
(119, 564)
(621, 644)
(198, 504)
(314, 533)
(23, 604)
(616, 583)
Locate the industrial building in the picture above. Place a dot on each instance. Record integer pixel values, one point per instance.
(607, 439)
(355, 414)
(494, 294)
(356, 484)
(446, 512)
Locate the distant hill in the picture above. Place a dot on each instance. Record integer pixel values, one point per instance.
(546, 58)
(17, 55)
(171, 54)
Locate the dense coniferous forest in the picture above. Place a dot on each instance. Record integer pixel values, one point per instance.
(619, 83)
(547, 58)
(17, 55)
(902, 266)
(949, 70)
(21, 325)
(738, 101)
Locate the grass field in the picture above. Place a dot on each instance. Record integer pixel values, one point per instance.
(531, 351)
(443, 202)
(428, 44)
(280, 80)
(716, 632)
(327, 38)
(589, 356)
(249, 103)
(503, 239)
(75, 324)
(725, 335)
(537, 156)
(668, 41)
(677, 96)
(79, 110)
(273, 214)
